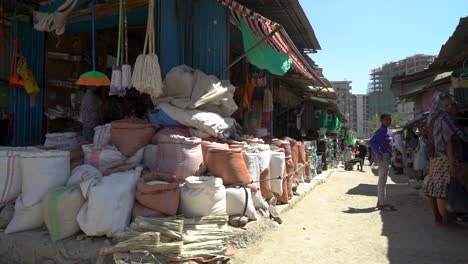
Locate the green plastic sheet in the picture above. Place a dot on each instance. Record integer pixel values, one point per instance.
(264, 57)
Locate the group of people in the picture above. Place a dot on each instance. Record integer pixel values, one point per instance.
(445, 145)
(355, 154)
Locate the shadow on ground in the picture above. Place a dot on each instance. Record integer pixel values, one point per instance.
(412, 235)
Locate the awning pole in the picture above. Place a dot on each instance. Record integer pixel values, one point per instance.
(251, 49)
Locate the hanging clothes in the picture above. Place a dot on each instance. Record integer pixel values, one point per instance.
(267, 101)
(247, 97)
(258, 79)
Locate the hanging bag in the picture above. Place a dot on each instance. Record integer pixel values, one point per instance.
(14, 79)
(116, 78)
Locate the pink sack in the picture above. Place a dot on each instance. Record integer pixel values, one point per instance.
(179, 156)
(168, 131)
(131, 134)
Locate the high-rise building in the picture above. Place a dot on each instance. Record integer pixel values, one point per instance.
(381, 98)
(362, 115)
(343, 97)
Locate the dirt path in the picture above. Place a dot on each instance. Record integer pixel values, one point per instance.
(337, 223)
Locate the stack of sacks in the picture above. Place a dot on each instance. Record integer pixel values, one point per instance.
(187, 88)
(131, 135)
(203, 124)
(41, 171)
(157, 195)
(109, 203)
(229, 164)
(197, 101)
(62, 205)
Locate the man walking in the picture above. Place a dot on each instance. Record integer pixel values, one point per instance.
(382, 149)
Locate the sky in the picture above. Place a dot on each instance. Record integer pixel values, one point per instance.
(357, 36)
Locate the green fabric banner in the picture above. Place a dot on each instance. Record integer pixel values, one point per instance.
(264, 57)
(335, 123)
(324, 120)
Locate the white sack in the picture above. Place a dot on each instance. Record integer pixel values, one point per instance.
(62, 141)
(43, 171)
(110, 202)
(265, 153)
(192, 89)
(179, 81)
(60, 208)
(235, 203)
(210, 123)
(151, 157)
(55, 21)
(253, 165)
(202, 196)
(83, 173)
(25, 217)
(10, 172)
(277, 166)
(301, 172)
(102, 135)
(104, 157)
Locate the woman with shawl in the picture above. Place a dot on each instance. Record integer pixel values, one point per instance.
(442, 131)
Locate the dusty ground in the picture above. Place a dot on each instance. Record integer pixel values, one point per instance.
(337, 223)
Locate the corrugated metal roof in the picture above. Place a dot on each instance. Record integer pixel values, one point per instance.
(455, 50)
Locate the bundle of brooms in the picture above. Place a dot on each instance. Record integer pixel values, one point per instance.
(170, 228)
(202, 237)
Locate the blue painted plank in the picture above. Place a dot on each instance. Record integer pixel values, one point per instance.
(210, 37)
(29, 120)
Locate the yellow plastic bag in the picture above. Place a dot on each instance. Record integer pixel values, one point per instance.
(30, 83)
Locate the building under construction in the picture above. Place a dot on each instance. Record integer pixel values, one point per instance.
(381, 98)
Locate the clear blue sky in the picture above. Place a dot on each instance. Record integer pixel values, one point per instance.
(357, 36)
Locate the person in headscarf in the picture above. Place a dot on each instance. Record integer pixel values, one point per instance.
(442, 130)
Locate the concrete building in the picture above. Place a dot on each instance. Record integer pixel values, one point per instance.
(343, 97)
(362, 115)
(381, 98)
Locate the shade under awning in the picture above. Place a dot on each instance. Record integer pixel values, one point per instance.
(279, 41)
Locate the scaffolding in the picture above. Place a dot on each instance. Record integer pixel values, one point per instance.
(381, 98)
